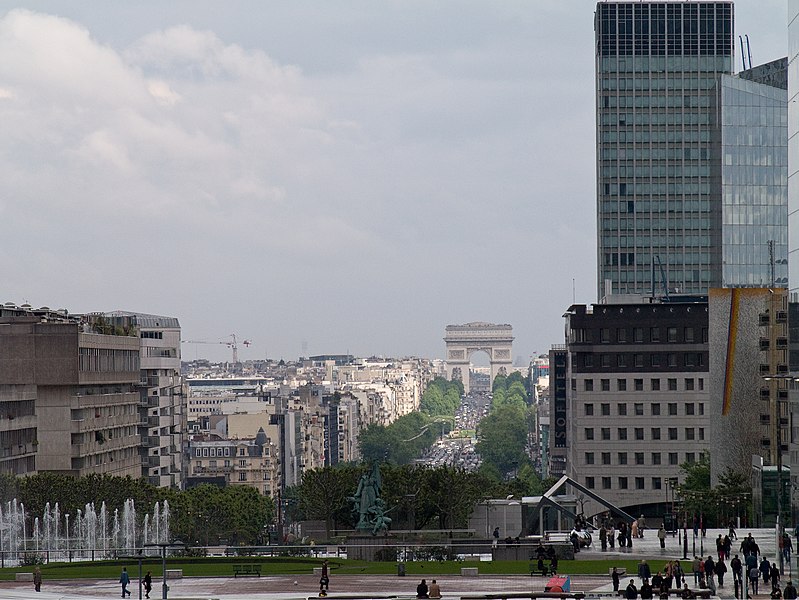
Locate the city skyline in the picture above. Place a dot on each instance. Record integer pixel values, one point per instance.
(351, 185)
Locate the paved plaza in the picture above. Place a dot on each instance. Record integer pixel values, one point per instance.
(453, 586)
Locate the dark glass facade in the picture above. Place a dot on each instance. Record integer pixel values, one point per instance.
(691, 160)
(657, 67)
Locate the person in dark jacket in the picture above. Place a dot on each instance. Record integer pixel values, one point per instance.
(710, 569)
(631, 592)
(774, 575)
(790, 591)
(765, 569)
(657, 581)
(721, 569)
(147, 582)
(646, 590)
(644, 572)
(422, 590)
(737, 569)
(615, 578)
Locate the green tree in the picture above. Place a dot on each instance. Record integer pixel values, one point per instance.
(502, 438)
(441, 397)
(324, 495)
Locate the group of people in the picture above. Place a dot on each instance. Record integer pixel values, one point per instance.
(660, 583)
(425, 591)
(647, 591)
(546, 553)
(709, 573)
(610, 533)
(124, 580)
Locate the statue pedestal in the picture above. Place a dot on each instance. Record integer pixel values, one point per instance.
(363, 546)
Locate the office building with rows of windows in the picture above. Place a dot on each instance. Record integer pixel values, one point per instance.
(691, 160)
(637, 398)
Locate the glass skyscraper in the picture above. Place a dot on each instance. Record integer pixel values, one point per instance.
(793, 142)
(680, 154)
(749, 173)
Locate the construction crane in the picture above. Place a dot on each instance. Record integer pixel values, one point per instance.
(232, 343)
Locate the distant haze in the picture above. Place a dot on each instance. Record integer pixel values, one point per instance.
(328, 176)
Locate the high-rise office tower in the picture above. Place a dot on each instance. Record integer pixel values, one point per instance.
(691, 161)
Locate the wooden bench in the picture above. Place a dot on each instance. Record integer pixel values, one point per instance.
(23, 577)
(468, 571)
(247, 570)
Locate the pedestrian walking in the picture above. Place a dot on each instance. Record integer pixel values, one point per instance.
(147, 582)
(662, 536)
(37, 579)
(644, 572)
(774, 576)
(324, 580)
(124, 579)
(737, 569)
(710, 570)
(765, 569)
(754, 577)
(787, 548)
(696, 568)
(603, 538)
(721, 569)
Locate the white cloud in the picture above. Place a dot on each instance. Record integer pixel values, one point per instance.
(162, 93)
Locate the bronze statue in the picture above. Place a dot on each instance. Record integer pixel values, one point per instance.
(370, 508)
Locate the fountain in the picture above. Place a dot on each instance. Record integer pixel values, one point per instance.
(86, 535)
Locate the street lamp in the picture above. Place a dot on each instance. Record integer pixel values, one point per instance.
(163, 546)
(139, 556)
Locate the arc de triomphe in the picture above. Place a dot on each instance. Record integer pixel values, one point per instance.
(464, 340)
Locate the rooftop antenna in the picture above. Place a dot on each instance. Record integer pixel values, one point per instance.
(743, 53)
(574, 293)
(748, 50)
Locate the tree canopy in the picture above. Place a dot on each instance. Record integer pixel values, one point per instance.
(417, 497)
(502, 438)
(401, 441)
(731, 497)
(441, 397)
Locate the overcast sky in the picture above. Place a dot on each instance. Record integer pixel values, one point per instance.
(318, 177)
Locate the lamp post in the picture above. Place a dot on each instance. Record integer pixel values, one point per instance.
(163, 546)
(139, 556)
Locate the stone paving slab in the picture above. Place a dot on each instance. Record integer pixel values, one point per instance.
(453, 586)
(283, 588)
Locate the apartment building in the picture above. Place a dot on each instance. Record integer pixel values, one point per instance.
(69, 394)
(253, 462)
(163, 396)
